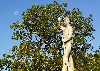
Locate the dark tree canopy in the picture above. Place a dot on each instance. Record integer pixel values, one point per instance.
(45, 51)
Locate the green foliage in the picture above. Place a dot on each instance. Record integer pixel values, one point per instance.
(45, 52)
(92, 62)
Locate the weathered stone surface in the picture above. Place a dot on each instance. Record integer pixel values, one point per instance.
(68, 64)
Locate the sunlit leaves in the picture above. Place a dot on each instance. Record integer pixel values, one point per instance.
(42, 22)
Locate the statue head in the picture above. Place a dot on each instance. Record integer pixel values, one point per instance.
(66, 20)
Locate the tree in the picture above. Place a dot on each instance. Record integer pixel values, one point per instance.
(45, 52)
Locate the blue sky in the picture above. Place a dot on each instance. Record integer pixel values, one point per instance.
(11, 11)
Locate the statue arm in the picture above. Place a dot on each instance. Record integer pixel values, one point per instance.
(62, 28)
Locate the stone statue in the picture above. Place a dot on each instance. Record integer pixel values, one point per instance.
(67, 40)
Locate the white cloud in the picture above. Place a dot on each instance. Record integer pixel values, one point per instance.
(16, 13)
